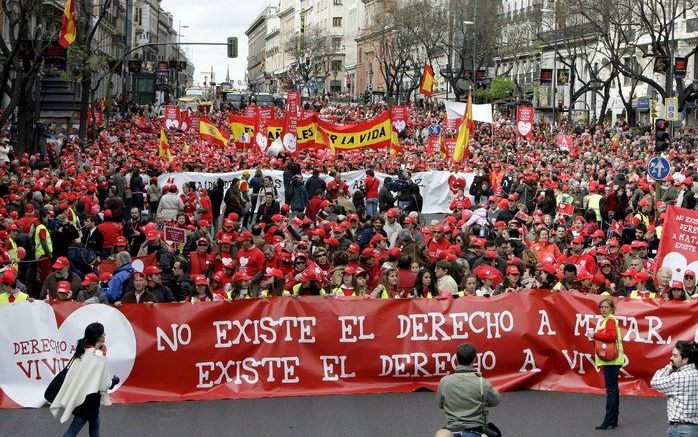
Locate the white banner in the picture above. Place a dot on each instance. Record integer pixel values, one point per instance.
(481, 113)
(433, 185)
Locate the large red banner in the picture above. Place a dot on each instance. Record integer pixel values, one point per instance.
(324, 345)
(678, 247)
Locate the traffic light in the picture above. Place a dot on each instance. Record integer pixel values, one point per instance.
(661, 136)
(233, 47)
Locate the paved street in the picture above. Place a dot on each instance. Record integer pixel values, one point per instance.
(521, 414)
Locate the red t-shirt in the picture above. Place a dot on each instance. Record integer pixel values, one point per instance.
(583, 261)
(250, 261)
(371, 185)
(109, 230)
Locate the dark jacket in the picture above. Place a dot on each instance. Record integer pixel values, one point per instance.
(267, 211)
(313, 184)
(147, 296)
(298, 197)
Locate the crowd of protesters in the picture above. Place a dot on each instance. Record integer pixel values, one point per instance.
(78, 223)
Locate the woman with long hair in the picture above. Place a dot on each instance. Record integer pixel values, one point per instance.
(86, 384)
(425, 284)
(608, 332)
(387, 285)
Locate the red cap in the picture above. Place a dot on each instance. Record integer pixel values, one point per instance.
(240, 276)
(308, 275)
(63, 287)
(377, 238)
(61, 262)
(578, 240)
(246, 235)
(391, 213)
(513, 270)
(226, 239)
(367, 252)
(277, 218)
(228, 223)
(90, 278)
(151, 235)
(202, 223)
(353, 248)
(105, 276)
(409, 220)
(548, 268)
(8, 277)
(199, 279)
(640, 276)
(152, 270)
(598, 234)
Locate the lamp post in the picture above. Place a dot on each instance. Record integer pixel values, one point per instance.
(467, 23)
(179, 40)
(554, 84)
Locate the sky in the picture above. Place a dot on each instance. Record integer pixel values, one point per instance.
(215, 21)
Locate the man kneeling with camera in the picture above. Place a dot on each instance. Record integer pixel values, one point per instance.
(464, 396)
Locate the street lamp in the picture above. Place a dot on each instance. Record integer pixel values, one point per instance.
(465, 24)
(179, 40)
(554, 84)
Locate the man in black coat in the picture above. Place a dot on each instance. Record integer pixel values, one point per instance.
(267, 209)
(216, 196)
(91, 237)
(315, 183)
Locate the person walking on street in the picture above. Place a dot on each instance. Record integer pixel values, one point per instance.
(86, 384)
(464, 396)
(608, 332)
(679, 381)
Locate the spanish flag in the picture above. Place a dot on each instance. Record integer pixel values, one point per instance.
(68, 29)
(426, 86)
(395, 147)
(185, 147)
(208, 131)
(164, 146)
(460, 151)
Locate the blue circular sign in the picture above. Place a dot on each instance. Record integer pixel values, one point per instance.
(434, 130)
(658, 168)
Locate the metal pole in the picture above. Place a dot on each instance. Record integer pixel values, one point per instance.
(671, 62)
(554, 99)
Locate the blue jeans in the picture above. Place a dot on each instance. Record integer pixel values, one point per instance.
(610, 374)
(79, 422)
(371, 207)
(682, 431)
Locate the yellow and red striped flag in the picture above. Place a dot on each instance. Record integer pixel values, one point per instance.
(209, 132)
(426, 85)
(164, 146)
(460, 151)
(68, 29)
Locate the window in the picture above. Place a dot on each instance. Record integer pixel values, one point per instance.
(337, 2)
(139, 16)
(336, 65)
(336, 43)
(337, 21)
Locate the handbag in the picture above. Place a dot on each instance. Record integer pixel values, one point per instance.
(55, 385)
(606, 351)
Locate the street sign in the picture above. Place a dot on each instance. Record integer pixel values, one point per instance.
(658, 168)
(672, 108)
(434, 130)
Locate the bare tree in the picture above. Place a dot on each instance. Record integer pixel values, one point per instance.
(397, 51)
(23, 43)
(644, 29)
(310, 50)
(86, 65)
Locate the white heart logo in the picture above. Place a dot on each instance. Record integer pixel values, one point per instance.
(261, 141)
(524, 127)
(34, 349)
(184, 126)
(678, 265)
(290, 142)
(169, 123)
(244, 261)
(399, 125)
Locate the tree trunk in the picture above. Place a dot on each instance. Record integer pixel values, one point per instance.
(25, 119)
(85, 88)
